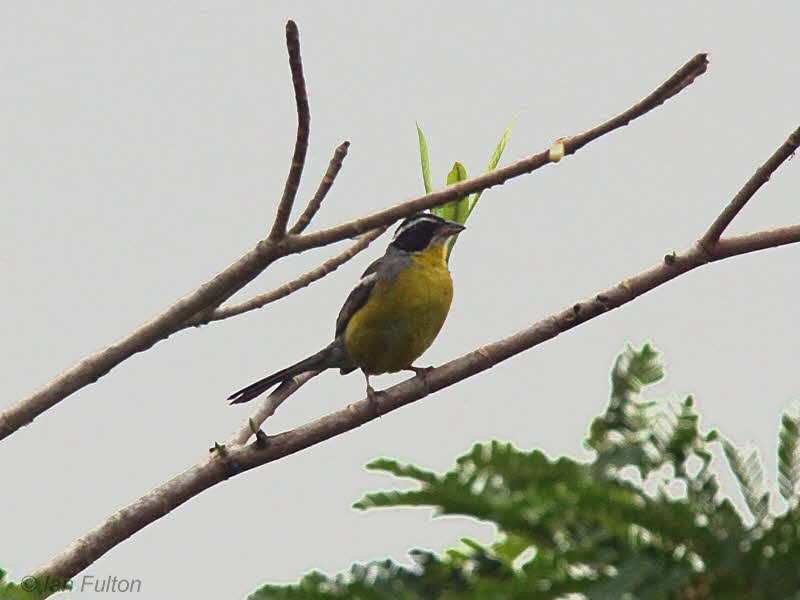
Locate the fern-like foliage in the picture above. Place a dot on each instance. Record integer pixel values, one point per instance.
(569, 527)
(13, 591)
(749, 473)
(789, 455)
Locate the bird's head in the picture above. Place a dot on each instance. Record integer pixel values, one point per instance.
(421, 230)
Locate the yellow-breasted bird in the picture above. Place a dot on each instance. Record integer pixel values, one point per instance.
(394, 313)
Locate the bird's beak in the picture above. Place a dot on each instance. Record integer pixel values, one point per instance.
(452, 228)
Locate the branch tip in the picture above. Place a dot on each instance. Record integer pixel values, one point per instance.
(334, 166)
(301, 143)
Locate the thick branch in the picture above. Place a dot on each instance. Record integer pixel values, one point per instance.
(236, 459)
(759, 178)
(322, 191)
(681, 79)
(303, 127)
(235, 277)
(94, 366)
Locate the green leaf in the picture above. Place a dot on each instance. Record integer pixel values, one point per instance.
(424, 161)
(456, 210)
(472, 544)
(493, 161)
(749, 474)
(789, 456)
(402, 470)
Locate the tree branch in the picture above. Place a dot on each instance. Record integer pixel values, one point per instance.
(682, 78)
(322, 191)
(244, 270)
(94, 366)
(759, 178)
(303, 127)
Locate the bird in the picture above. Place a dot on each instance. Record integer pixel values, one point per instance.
(392, 315)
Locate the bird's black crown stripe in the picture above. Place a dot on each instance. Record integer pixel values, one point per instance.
(415, 232)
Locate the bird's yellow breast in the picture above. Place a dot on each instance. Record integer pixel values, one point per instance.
(402, 316)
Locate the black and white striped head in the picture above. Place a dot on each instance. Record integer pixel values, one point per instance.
(418, 231)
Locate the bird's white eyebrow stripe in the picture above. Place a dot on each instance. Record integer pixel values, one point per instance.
(410, 224)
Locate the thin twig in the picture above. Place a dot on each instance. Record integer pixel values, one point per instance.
(759, 178)
(215, 469)
(268, 406)
(306, 279)
(322, 191)
(681, 79)
(239, 274)
(303, 128)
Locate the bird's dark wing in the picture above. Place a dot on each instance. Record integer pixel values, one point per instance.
(358, 297)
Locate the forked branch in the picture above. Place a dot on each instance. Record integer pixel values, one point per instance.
(324, 186)
(198, 306)
(759, 178)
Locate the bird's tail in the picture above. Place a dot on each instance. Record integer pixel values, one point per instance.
(312, 363)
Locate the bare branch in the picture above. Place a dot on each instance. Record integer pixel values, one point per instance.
(236, 459)
(759, 178)
(239, 274)
(681, 79)
(322, 191)
(94, 366)
(306, 279)
(753, 242)
(303, 127)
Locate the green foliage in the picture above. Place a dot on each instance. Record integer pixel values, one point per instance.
(593, 528)
(424, 160)
(750, 475)
(459, 209)
(14, 591)
(789, 455)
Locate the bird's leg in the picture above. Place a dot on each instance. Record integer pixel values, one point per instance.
(372, 396)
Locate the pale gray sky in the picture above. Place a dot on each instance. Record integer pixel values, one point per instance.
(144, 146)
